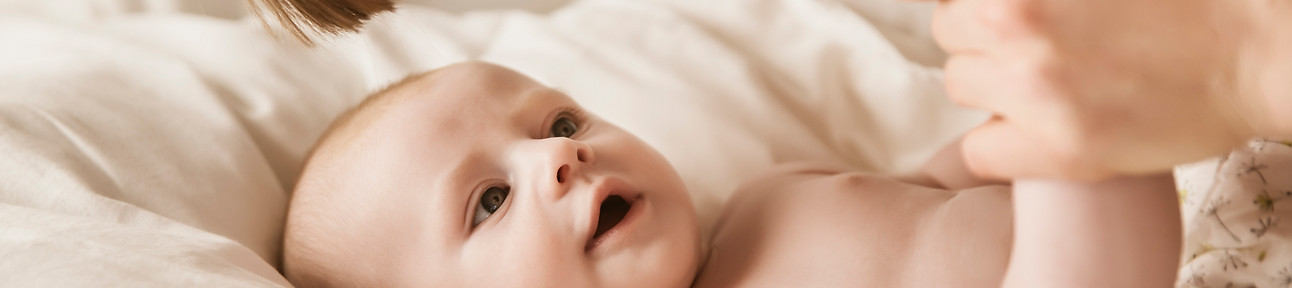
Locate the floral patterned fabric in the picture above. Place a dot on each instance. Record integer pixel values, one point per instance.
(1237, 217)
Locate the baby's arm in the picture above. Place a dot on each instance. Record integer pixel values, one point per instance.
(1123, 232)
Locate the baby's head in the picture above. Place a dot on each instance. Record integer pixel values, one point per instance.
(474, 175)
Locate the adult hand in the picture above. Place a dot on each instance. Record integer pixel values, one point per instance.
(1086, 89)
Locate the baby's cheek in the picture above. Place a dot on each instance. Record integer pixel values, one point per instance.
(524, 253)
(522, 270)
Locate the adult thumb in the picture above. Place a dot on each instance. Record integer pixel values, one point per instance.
(999, 150)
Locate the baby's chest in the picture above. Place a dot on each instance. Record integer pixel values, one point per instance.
(851, 233)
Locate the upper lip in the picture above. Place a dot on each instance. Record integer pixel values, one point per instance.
(604, 188)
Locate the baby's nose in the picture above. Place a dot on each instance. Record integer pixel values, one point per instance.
(566, 160)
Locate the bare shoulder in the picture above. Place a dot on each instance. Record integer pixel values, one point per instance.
(834, 228)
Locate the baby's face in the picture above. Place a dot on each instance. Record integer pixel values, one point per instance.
(481, 177)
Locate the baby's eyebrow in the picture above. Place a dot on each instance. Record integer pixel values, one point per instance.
(534, 97)
(458, 185)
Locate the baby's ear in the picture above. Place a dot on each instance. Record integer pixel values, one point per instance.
(307, 19)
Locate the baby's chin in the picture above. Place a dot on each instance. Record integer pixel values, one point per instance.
(657, 246)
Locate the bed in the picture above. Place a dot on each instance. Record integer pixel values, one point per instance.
(154, 143)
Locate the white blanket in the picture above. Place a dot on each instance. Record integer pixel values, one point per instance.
(158, 149)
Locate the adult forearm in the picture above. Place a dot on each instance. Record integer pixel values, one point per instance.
(1123, 232)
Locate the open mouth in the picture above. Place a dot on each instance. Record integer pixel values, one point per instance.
(613, 210)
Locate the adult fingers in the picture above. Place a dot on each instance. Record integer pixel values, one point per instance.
(980, 81)
(954, 27)
(998, 150)
(977, 25)
(973, 80)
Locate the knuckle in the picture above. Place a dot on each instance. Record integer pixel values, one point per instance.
(1042, 77)
(1013, 17)
(941, 26)
(956, 81)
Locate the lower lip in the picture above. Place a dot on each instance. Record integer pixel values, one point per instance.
(615, 235)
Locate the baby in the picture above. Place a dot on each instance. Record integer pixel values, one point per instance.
(473, 175)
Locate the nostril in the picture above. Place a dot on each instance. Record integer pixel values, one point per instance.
(560, 173)
(579, 154)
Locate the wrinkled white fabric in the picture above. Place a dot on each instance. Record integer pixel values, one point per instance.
(111, 154)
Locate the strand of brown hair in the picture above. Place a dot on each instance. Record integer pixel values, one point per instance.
(307, 19)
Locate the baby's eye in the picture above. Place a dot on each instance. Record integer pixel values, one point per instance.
(490, 201)
(564, 127)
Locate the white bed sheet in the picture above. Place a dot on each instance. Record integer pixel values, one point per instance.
(158, 149)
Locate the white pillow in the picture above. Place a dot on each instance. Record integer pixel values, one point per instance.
(118, 163)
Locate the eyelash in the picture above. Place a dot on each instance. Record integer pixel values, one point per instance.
(574, 114)
(475, 203)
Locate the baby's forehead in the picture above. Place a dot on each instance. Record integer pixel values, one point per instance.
(455, 108)
(465, 87)
(461, 103)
